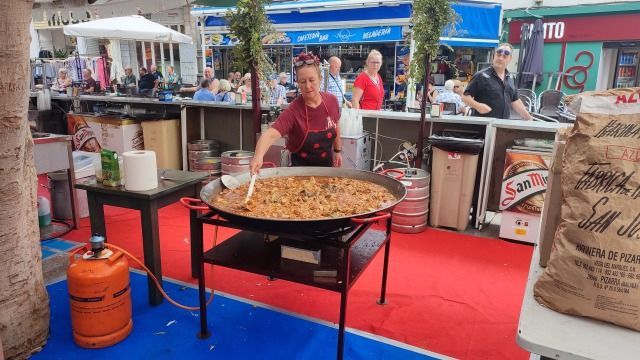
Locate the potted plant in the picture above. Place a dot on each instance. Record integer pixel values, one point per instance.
(249, 24)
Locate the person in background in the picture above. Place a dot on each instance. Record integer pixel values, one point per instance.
(62, 82)
(128, 80)
(157, 75)
(147, 81)
(449, 96)
(172, 78)
(432, 93)
(368, 90)
(458, 87)
(310, 123)
(88, 83)
(334, 83)
(224, 94)
(291, 89)
(277, 92)
(231, 77)
(208, 73)
(492, 91)
(237, 78)
(245, 86)
(204, 92)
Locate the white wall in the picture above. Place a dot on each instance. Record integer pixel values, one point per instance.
(521, 4)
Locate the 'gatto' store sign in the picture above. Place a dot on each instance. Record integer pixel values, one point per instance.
(587, 28)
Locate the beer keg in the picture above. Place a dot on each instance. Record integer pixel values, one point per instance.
(201, 149)
(235, 161)
(411, 214)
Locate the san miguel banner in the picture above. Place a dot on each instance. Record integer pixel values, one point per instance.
(584, 28)
(524, 182)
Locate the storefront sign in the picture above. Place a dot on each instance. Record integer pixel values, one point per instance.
(336, 36)
(331, 36)
(588, 28)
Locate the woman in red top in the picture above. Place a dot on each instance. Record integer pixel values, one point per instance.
(310, 122)
(368, 92)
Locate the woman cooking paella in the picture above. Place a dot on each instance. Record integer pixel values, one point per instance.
(310, 122)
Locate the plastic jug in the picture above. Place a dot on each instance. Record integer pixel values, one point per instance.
(44, 211)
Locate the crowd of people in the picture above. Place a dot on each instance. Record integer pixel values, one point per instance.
(490, 93)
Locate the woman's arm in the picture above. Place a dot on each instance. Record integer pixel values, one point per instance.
(264, 143)
(355, 99)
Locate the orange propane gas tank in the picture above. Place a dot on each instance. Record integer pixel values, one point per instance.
(99, 296)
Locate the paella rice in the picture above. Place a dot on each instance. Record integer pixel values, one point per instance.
(305, 198)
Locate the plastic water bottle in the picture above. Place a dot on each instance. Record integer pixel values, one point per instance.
(44, 211)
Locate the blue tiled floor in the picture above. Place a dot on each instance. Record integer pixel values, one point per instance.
(240, 330)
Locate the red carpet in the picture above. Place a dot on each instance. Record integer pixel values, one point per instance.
(453, 294)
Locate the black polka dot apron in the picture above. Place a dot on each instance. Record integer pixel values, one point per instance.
(317, 146)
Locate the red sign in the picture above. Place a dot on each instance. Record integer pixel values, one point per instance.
(587, 28)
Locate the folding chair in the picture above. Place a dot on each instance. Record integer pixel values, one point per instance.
(549, 102)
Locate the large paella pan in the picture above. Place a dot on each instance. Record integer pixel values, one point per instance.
(382, 210)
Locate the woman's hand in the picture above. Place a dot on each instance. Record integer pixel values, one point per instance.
(337, 159)
(255, 165)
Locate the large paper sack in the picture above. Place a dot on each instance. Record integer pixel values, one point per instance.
(594, 269)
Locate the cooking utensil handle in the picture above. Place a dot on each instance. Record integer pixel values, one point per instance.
(251, 186)
(186, 202)
(398, 177)
(371, 219)
(269, 164)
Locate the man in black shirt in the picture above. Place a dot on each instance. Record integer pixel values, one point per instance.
(492, 91)
(146, 82)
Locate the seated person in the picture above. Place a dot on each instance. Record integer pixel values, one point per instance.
(224, 94)
(245, 86)
(449, 96)
(277, 92)
(292, 89)
(172, 80)
(62, 82)
(204, 92)
(88, 83)
(128, 80)
(146, 82)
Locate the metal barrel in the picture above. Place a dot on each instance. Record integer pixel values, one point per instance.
(410, 216)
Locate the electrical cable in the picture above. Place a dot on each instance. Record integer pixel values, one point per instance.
(155, 280)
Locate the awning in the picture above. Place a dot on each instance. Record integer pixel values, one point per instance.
(296, 18)
(132, 27)
(331, 21)
(479, 26)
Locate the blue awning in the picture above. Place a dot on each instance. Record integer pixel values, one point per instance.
(479, 26)
(321, 21)
(296, 19)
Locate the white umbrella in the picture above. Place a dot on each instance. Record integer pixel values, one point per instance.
(132, 27)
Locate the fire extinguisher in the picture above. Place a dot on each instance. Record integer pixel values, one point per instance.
(99, 296)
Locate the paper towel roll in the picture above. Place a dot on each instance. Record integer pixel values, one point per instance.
(140, 170)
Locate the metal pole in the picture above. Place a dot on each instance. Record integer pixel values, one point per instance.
(423, 105)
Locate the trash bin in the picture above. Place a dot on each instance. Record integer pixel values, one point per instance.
(59, 186)
(453, 174)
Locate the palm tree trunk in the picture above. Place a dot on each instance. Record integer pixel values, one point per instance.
(24, 303)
